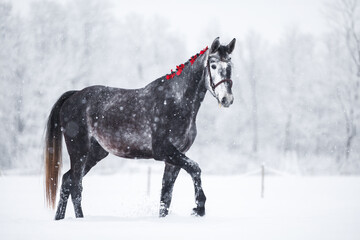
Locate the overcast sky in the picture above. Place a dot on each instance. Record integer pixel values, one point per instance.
(234, 17)
(228, 17)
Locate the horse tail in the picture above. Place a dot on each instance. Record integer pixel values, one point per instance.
(53, 147)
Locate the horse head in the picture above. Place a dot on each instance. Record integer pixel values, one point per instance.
(218, 71)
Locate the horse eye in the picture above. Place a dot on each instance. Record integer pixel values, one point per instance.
(213, 66)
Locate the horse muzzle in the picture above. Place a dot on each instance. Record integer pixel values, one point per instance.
(226, 100)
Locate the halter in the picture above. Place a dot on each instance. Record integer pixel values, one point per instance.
(212, 84)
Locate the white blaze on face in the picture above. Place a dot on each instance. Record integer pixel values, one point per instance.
(218, 73)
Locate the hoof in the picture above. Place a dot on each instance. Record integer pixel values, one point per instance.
(57, 217)
(163, 212)
(199, 211)
(60, 213)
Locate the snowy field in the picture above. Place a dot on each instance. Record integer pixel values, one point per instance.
(117, 206)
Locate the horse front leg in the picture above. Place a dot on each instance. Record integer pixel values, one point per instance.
(174, 157)
(170, 174)
(194, 170)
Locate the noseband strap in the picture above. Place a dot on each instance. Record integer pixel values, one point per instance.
(222, 81)
(212, 84)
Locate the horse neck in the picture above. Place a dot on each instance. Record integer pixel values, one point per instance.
(191, 82)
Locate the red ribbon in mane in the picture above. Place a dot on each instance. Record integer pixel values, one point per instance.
(179, 69)
(192, 59)
(204, 50)
(181, 66)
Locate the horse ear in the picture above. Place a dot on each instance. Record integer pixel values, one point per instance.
(231, 46)
(215, 45)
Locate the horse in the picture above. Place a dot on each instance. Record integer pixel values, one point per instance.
(155, 122)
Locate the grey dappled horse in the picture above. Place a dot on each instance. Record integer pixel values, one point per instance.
(157, 121)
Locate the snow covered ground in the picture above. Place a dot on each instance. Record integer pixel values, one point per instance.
(116, 206)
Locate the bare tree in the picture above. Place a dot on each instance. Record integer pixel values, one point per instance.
(289, 63)
(251, 57)
(344, 18)
(11, 79)
(295, 52)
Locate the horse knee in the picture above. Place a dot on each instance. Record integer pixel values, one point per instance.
(76, 188)
(197, 169)
(66, 182)
(66, 177)
(192, 168)
(201, 198)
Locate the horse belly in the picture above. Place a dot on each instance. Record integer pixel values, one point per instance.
(125, 143)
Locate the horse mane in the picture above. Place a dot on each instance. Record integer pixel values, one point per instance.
(180, 67)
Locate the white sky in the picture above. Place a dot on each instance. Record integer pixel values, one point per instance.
(230, 18)
(233, 18)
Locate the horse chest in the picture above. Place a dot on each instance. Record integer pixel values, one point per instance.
(183, 137)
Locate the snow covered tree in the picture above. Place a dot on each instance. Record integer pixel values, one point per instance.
(295, 52)
(252, 55)
(344, 19)
(12, 72)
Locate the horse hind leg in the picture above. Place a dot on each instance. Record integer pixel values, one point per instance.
(76, 188)
(64, 196)
(78, 146)
(71, 184)
(93, 156)
(72, 180)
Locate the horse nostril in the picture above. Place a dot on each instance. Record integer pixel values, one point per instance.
(232, 101)
(223, 101)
